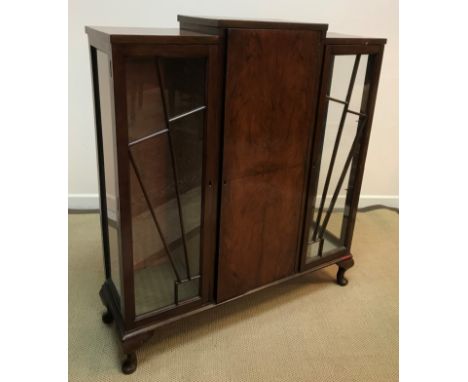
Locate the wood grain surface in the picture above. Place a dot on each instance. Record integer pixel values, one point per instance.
(271, 90)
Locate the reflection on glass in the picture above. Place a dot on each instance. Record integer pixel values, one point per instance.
(187, 140)
(341, 128)
(144, 106)
(184, 84)
(165, 190)
(110, 167)
(153, 271)
(153, 162)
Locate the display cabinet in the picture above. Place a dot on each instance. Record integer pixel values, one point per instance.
(230, 158)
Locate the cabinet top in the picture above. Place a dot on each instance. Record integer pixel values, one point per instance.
(221, 22)
(103, 37)
(340, 39)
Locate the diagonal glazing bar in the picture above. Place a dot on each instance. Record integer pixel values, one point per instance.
(350, 156)
(153, 215)
(174, 169)
(337, 144)
(337, 100)
(148, 137)
(357, 113)
(345, 103)
(187, 113)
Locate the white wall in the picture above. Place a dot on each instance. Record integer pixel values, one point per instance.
(374, 18)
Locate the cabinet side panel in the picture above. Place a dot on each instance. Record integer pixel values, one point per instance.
(271, 86)
(109, 191)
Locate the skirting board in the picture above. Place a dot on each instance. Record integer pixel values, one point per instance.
(91, 201)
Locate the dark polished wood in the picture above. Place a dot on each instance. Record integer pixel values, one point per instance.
(266, 95)
(249, 23)
(100, 161)
(267, 127)
(343, 266)
(107, 317)
(104, 37)
(129, 364)
(118, 63)
(344, 39)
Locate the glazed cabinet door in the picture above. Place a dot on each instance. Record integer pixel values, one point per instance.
(166, 134)
(347, 98)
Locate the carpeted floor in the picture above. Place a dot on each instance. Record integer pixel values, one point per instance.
(308, 329)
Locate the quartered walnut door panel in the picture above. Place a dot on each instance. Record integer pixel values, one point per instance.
(259, 244)
(271, 89)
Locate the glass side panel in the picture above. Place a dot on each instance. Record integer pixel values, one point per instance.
(110, 168)
(184, 84)
(166, 189)
(327, 231)
(332, 235)
(358, 90)
(145, 112)
(342, 69)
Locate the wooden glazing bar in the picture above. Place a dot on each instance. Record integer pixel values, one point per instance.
(337, 100)
(187, 113)
(357, 113)
(147, 137)
(181, 282)
(176, 292)
(174, 168)
(153, 215)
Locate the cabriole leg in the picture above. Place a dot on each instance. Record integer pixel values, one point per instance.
(342, 268)
(129, 364)
(107, 317)
(129, 345)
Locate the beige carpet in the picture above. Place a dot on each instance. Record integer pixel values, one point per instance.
(308, 329)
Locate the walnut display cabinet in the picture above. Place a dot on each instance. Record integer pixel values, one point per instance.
(230, 157)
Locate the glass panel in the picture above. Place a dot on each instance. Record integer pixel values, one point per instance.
(184, 84)
(332, 236)
(188, 289)
(145, 113)
(165, 187)
(154, 276)
(187, 140)
(152, 160)
(358, 90)
(110, 167)
(347, 137)
(342, 69)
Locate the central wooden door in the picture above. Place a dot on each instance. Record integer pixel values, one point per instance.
(271, 92)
